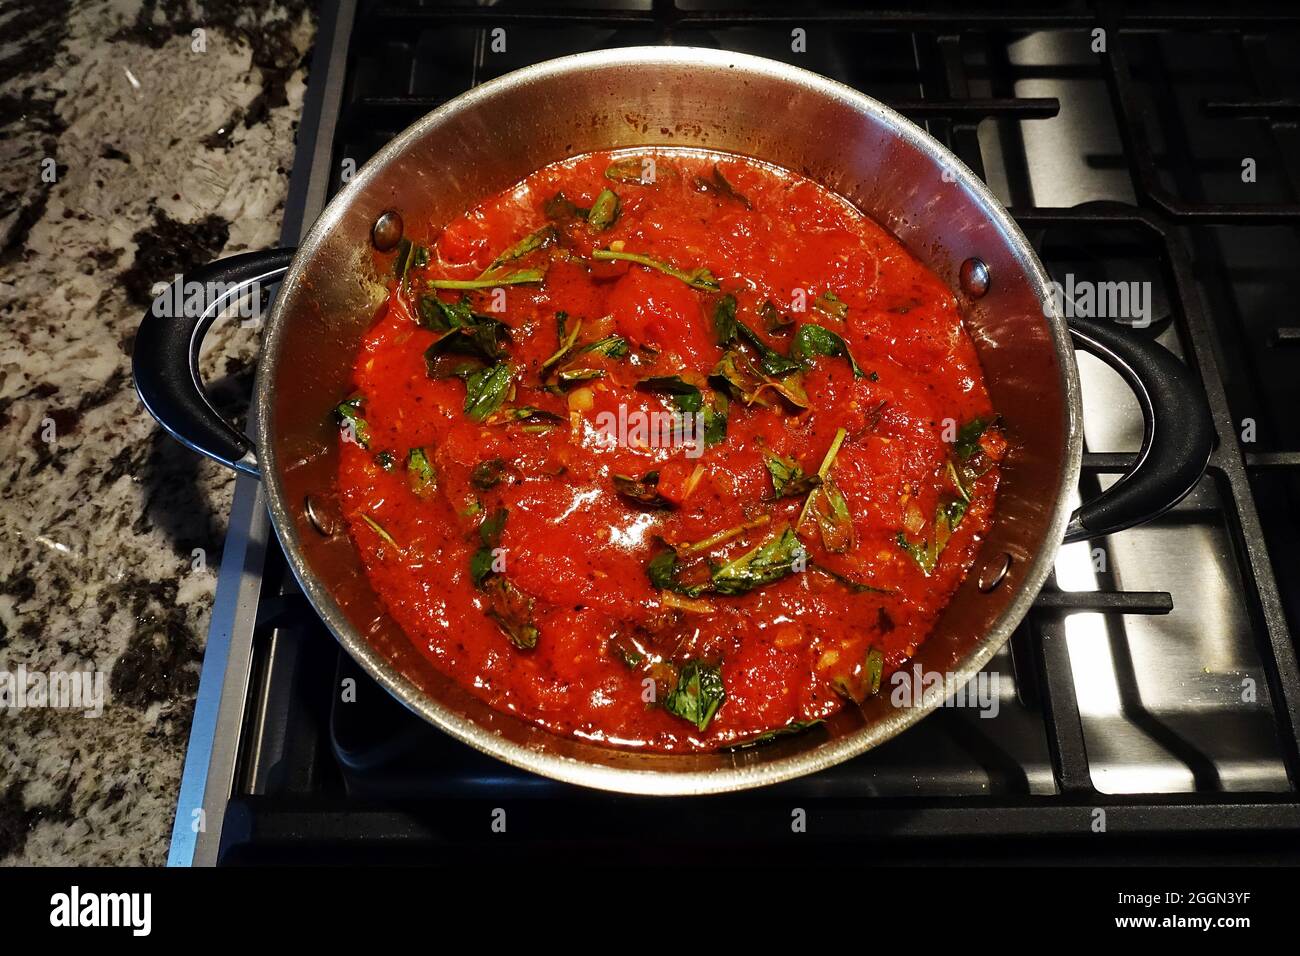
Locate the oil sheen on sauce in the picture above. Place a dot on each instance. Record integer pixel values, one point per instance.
(616, 487)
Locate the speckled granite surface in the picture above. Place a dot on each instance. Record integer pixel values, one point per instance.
(168, 147)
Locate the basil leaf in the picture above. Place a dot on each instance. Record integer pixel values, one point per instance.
(348, 412)
(611, 346)
(779, 556)
(560, 206)
(788, 479)
(571, 376)
(724, 320)
(604, 211)
(512, 610)
(718, 185)
(489, 533)
(486, 389)
(488, 474)
(787, 730)
(530, 243)
(444, 316)
(663, 570)
(420, 475)
(566, 339)
(643, 491)
(772, 362)
(518, 277)
(715, 419)
(813, 340)
(409, 256)
(968, 438)
(773, 318)
(629, 171)
(700, 278)
(863, 678)
(857, 587)
(828, 303)
(698, 694)
(685, 396)
(386, 460)
(831, 511)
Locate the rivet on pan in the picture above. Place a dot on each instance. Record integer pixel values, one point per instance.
(387, 231)
(974, 277)
(994, 572)
(317, 517)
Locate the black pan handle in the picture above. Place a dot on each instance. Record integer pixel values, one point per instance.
(1178, 431)
(165, 361)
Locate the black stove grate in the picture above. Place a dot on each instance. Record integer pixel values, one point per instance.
(374, 781)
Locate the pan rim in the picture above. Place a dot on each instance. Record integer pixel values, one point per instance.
(655, 782)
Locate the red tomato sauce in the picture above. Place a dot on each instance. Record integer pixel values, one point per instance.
(684, 606)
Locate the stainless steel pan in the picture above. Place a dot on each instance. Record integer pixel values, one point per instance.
(496, 134)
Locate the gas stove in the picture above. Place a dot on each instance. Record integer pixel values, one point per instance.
(1154, 685)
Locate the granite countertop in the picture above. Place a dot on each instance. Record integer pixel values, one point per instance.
(137, 138)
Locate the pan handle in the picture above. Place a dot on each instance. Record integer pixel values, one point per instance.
(1178, 432)
(165, 361)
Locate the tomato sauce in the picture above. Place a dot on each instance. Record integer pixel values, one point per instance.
(612, 485)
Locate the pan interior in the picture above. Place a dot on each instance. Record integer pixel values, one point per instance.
(492, 137)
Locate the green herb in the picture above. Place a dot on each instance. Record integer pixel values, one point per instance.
(629, 171)
(644, 491)
(663, 572)
(560, 206)
(724, 320)
(717, 183)
(831, 511)
(420, 475)
(788, 479)
(822, 473)
(772, 362)
(466, 348)
(489, 533)
(947, 516)
(794, 727)
(379, 530)
(486, 389)
(715, 419)
(968, 438)
(695, 278)
(444, 316)
(611, 346)
(780, 555)
(386, 460)
(571, 376)
(863, 679)
(530, 243)
(488, 474)
(857, 587)
(828, 303)
(348, 413)
(518, 277)
(685, 396)
(773, 318)
(566, 339)
(813, 340)
(409, 256)
(604, 211)
(698, 694)
(512, 610)
(525, 414)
